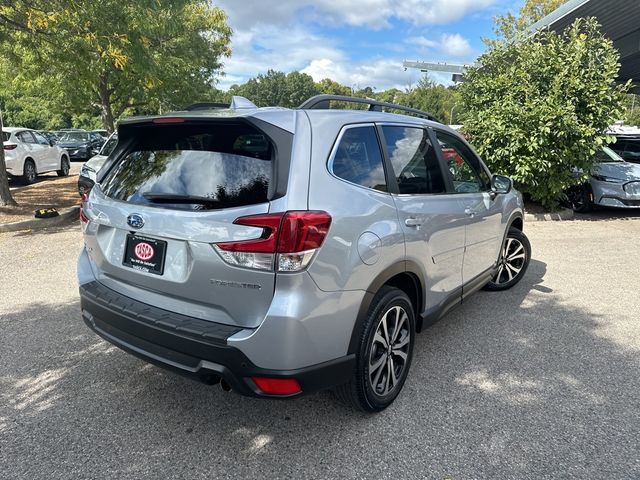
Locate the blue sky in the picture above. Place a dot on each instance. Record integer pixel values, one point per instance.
(358, 43)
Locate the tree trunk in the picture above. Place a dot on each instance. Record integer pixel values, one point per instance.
(6, 199)
(105, 103)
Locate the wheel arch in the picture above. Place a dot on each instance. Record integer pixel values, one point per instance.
(29, 159)
(403, 275)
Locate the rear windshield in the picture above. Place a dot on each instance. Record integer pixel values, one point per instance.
(193, 167)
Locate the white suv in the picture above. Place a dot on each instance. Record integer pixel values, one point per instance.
(28, 154)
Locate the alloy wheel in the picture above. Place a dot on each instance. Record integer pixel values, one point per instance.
(512, 261)
(389, 351)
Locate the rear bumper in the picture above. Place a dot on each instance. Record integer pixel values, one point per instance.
(192, 347)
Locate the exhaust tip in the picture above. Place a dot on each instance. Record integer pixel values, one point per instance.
(224, 385)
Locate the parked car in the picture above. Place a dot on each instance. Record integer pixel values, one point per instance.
(81, 145)
(614, 183)
(103, 133)
(87, 177)
(49, 135)
(28, 154)
(284, 251)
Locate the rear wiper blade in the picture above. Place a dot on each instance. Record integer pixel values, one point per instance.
(172, 198)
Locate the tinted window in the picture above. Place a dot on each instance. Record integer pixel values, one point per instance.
(26, 137)
(414, 160)
(465, 168)
(358, 159)
(109, 146)
(40, 139)
(216, 163)
(74, 137)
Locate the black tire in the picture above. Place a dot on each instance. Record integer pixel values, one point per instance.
(359, 392)
(580, 199)
(29, 173)
(64, 167)
(515, 244)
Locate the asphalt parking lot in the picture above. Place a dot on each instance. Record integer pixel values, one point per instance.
(542, 381)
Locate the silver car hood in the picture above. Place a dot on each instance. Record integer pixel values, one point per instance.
(621, 170)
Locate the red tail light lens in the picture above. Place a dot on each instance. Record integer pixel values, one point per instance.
(10, 146)
(267, 243)
(83, 216)
(291, 236)
(277, 386)
(302, 231)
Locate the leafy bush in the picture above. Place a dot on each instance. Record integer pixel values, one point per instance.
(539, 106)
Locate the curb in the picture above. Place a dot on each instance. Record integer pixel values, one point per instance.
(66, 215)
(564, 214)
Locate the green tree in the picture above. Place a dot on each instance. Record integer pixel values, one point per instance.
(436, 99)
(277, 89)
(532, 11)
(118, 55)
(539, 107)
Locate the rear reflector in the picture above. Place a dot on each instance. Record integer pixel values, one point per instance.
(277, 386)
(10, 146)
(168, 120)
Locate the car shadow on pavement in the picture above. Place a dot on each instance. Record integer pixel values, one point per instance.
(509, 385)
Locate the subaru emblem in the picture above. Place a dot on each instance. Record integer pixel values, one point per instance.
(135, 221)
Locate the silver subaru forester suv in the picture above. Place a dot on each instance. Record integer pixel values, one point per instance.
(279, 252)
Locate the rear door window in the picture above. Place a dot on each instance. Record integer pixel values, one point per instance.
(26, 137)
(194, 167)
(414, 161)
(358, 158)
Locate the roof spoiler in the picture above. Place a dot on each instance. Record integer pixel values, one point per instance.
(237, 103)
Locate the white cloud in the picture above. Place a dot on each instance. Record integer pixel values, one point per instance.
(380, 74)
(450, 45)
(286, 36)
(456, 45)
(370, 13)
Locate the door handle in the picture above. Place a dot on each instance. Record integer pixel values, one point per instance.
(469, 212)
(413, 222)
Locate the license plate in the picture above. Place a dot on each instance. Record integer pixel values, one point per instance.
(145, 254)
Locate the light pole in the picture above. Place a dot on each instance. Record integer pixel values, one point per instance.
(451, 114)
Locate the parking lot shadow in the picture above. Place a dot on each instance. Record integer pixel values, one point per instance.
(516, 384)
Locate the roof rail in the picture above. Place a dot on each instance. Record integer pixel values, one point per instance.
(322, 102)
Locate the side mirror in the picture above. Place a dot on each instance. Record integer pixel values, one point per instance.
(501, 184)
(51, 143)
(95, 151)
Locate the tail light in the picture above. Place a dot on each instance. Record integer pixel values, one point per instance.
(288, 242)
(84, 220)
(10, 146)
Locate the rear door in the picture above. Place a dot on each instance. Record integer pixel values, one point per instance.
(31, 148)
(48, 154)
(483, 212)
(432, 221)
(171, 193)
